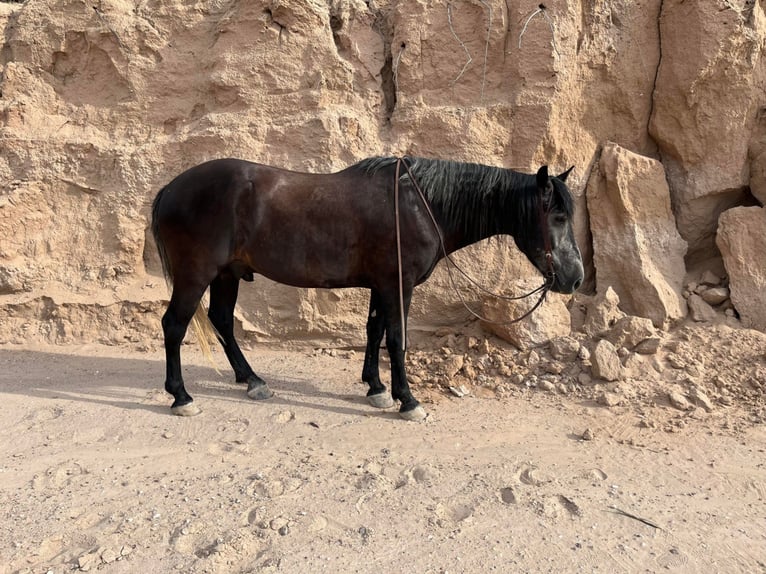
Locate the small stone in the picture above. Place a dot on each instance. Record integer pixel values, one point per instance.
(554, 368)
(547, 386)
(710, 278)
(583, 354)
(108, 556)
(452, 365)
(167, 434)
(700, 399)
(88, 561)
(459, 392)
(588, 434)
(676, 362)
(284, 530)
(278, 523)
(605, 362)
(699, 310)
(630, 331)
(679, 401)
(715, 295)
(649, 346)
(564, 348)
(609, 399)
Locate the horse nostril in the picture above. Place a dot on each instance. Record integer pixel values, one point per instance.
(577, 284)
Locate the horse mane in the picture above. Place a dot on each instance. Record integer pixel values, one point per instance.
(476, 199)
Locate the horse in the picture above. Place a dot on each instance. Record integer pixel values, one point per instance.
(381, 224)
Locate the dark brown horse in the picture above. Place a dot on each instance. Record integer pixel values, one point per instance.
(226, 220)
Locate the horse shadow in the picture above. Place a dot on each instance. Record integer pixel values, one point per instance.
(137, 384)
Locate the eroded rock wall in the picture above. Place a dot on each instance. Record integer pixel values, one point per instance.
(103, 104)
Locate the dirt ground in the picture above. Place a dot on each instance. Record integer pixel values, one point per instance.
(95, 474)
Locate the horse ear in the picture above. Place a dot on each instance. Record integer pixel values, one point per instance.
(563, 176)
(542, 177)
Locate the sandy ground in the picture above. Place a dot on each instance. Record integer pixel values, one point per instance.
(95, 474)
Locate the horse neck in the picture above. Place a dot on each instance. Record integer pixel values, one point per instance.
(467, 216)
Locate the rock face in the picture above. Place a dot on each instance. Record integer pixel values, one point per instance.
(102, 105)
(637, 249)
(708, 103)
(742, 241)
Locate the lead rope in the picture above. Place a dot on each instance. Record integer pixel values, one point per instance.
(543, 289)
(399, 257)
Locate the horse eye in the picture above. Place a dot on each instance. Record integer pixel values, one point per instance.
(559, 219)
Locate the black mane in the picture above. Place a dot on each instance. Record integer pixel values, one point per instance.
(476, 199)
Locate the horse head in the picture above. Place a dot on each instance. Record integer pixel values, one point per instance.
(549, 241)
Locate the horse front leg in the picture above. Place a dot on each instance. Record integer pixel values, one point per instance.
(378, 396)
(396, 334)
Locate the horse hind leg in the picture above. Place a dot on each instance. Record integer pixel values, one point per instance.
(223, 297)
(175, 321)
(378, 396)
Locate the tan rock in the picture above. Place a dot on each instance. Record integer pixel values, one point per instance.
(715, 295)
(637, 249)
(630, 331)
(605, 362)
(700, 310)
(742, 241)
(603, 312)
(549, 321)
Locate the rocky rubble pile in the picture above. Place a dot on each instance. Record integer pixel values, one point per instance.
(700, 368)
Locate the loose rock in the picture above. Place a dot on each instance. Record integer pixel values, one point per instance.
(605, 362)
(699, 309)
(679, 401)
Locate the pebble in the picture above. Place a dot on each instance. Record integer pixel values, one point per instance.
(588, 434)
(701, 399)
(679, 401)
(278, 523)
(547, 386)
(609, 399)
(676, 362)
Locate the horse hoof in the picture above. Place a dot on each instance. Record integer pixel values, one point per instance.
(416, 414)
(187, 410)
(260, 392)
(381, 400)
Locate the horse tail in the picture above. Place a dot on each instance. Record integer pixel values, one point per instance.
(167, 272)
(203, 328)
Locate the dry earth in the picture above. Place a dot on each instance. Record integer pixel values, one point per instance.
(95, 473)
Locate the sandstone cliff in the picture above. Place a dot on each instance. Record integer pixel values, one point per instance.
(102, 103)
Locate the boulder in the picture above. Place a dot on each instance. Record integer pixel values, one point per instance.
(549, 321)
(742, 241)
(603, 312)
(637, 249)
